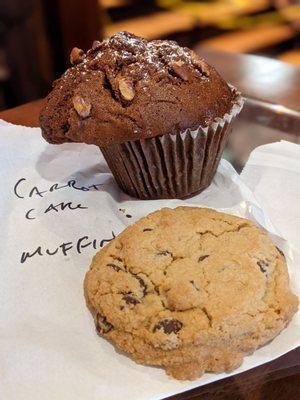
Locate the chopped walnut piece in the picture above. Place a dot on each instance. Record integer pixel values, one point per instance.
(76, 56)
(126, 89)
(82, 106)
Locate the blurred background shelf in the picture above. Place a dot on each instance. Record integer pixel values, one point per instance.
(291, 57)
(113, 3)
(155, 26)
(36, 36)
(251, 40)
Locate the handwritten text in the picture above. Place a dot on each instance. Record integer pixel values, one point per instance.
(66, 247)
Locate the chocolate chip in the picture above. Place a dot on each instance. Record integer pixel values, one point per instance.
(263, 265)
(201, 258)
(279, 251)
(156, 288)
(82, 106)
(147, 229)
(168, 325)
(115, 267)
(181, 69)
(143, 284)
(102, 325)
(130, 299)
(76, 56)
(194, 285)
(128, 216)
(164, 253)
(126, 89)
(117, 258)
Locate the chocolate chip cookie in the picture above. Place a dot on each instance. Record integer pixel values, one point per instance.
(191, 290)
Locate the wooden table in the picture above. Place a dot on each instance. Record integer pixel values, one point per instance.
(271, 81)
(258, 77)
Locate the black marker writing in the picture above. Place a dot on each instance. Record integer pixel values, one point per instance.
(36, 191)
(51, 253)
(64, 248)
(81, 245)
(29, 215)
(16, 188)
(103, 241)
(26, 254)
(22, 192)
(62, 206)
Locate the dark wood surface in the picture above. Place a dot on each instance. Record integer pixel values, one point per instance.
(258, 77)
(271, 81)
(27, 114)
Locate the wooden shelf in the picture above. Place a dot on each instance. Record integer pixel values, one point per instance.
(154, 25)
(251, 39)
(213, 13)
(291, 57)
(113, 3)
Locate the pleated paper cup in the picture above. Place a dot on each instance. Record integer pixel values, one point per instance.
(172, 165)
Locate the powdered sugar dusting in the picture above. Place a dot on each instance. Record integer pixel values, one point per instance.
(136, 59)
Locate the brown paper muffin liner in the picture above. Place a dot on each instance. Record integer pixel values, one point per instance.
(173, 165)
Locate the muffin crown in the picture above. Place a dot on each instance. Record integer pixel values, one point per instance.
(128, 59)
(126, 88)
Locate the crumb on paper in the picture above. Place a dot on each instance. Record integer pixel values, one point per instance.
(124, 212)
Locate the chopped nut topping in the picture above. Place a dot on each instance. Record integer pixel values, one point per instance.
(126, 90)
(199, 63)
(96, 44)
(82, 106)
(181, 69)
(76, 56)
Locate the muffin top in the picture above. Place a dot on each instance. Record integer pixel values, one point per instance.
(126, 88)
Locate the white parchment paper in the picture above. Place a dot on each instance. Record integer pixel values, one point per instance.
(58, 206)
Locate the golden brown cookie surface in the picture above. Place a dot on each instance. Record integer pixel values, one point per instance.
(190, 289)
